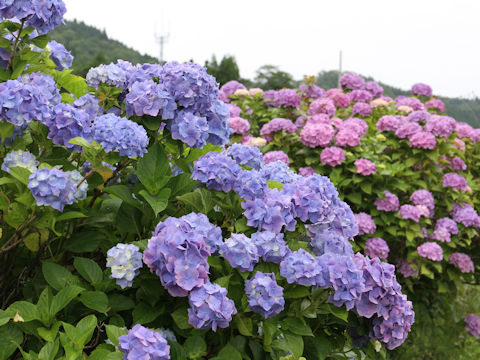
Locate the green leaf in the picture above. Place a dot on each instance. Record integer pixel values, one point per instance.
(6, 129)
(25, 309)
(10, 338)
(158, 202)
(296, 292)
(195, 347)
(95, 300)
(152, 168)
(200, 200)
(339, 312)
(49, 334)
(229, 352)
(143, 313)
(297, 326)
(318, 347)
(85, 328)
(124, 193)
(89, 270)
(114, 332)
(40, 41)
(71, 215)
(272, 184)
(64, 297)
(290, 343)
(56, 276)
(4, 317)
(87, 241)
(100, 354)
(119, 302)
(21, 174)
(355, 198)
(180, 316)
(244, 325)
(49, 350)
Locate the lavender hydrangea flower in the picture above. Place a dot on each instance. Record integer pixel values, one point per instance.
(271, 246)
(322, 106)
(250, 185)
(120, 134)
(20, 158)
(279, 155)
(365, 167)
(430, 250)
(240, 252)
(316, 134)
(75, 178)
(234, 110)
(306, 171)
(454, 181)
(143, 343)
(423, 140)
(413, 212)
(264, 295)
(351, 81)
(329, 238)
(332, 156)
(373, 88)
(346, 137)
(311, 91)
(52, 187)
(366, 225)
(89, 104)
(301, 268)
(125, 261)
(376, 247)
(463, 262)
(418, 116)
(278, 124)
(216, 170)
(189, 128)
(388, 123)
(66, 123)
(246, 155)
(405, 269)
(361, 109)
(210, 307)
(422, 89)
(457, 164)
(472, 324)
(389, 203)
(435, 104)
(425, 198)
(111, 74)
(408, 129)
(229, 88)
(178, 254)
(202, 226)
(287, 98)
(465, 214)
(149, 98)
(361, 96)
(278, 171)
(59, 55)
(168, 334)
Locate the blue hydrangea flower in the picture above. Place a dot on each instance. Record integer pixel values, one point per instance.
(20, 158)
(15, 9)
(190, 128)
(250, 185)
(218, 126)
(111, 74)
(149, 98)
(271, 213)
(211, 233)
(125, 261)
(60, 56)
(328, 238)
(178, 254)
(142, 72)
(45, 84)
(264, 295)
(271, 246)
(216, 170)
(278, 171)
(66, 123)
(300, 267)
(190, 86)
(240, 252)
(22, 102)
(120, 134)
(143, 343)
(246, 155)
(89, 104)
(52, 187)
(210, 307)
(167, 334)
(76, 177)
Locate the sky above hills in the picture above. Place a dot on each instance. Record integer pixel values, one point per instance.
(397, 42)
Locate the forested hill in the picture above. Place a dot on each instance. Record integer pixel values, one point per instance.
(91, 47)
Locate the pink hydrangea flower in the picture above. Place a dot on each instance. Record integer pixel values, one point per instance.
(376, 247)
(347, 138)
(423, 140)
(318, 134)
(388, 123)
(454, 181)
(389, 203)
(276, 156)
(306, 171)
(362, 109)
(332, 156)
(431, 250)
(340, 99)
(463, 262)
(365, 167)
(405, 269)
(459, 144)
(239, 125)
(435, 104)
(422, 89)
(322, 106)
(365, 223)
(441, 126)
(472, 324)
(278, 124)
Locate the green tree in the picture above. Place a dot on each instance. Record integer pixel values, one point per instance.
(269, 77)
(224, 71)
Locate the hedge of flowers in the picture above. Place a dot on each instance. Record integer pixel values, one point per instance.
(130, 231)
(408, 171)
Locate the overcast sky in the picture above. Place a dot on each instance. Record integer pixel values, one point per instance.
(397, 42)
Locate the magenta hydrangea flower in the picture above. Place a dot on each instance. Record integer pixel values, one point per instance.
(340, 99)
(279, 155)
(413, 212)
(278, 124)
(365, 167)
(352, 81)
(373, 88)
(360, 96)
(376, 247)
(454, 181)
(422, 89)
(362, 109)
(388, 123)
(463, 262)
(347, 137)
(287, 98)
(423, 197)
(430, 250)
(389, 203)
(457, 164)
(316, 134)
(228, 89)
(239, 125)
(306, 171)
(423, 140)
(332, 156)
(366, 225)
(408, 129)
(472, 324)
(435, 104)
(441, 126)
(264, 295)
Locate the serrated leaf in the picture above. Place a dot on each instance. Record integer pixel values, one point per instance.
(200, 200)
(152, 168)
(114, 332)
(95, 300)
(56, 275)
(89, 270)
(157, 202)
(64, 297)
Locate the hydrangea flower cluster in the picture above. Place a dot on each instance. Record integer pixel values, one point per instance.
(422, 89)
(247, 155)
(454, 181)
(286, 98)
(351, 81)
(264, 295)
(472, 324)
(365, 167)
(59, 55)
(306, 171)
(463, 262)
(250, 185)
(423, 140)
(278, 171)
(217, 171)
(332, 156)
(389, 203)
(300, 267)
(210, 307)
(444, 228)
(377, 247)
(430, 250)
(143, 343)
(366, 225)
(229, 88)
(361, 109)
(279, 155)
(465, 214)
(271, 246)
(20, 158)
(125, 261)
(149, 98)
(240, 252)
(278, 124)
(239, 125)
(316, 134)
(178, 254)
(322, 106)
(413, 212)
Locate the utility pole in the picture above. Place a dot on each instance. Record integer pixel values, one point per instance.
(161, 40)
(339, 68)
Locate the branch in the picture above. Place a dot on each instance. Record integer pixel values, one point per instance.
(15, 45)
(11, 243)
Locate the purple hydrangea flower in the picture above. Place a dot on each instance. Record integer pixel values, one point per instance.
(111, 74)
(408, 129)
(435, 104)
(271, 246)
(264, 295)
(423, 140)
(52, 187)
(149, 98)
(219, 130)
(120, 134)
(125, 262)
(322, 106)
(20, 158)
(441, 126)
(463, 262)
(457, 164)
(45, 84)
(330, 238)
(465, 214)
(430, 250)
(210, 307)
(178, 254)
(278, 124)
(306, 171)
(376, 247)
(300, 267)
(189, 128)
(216, 170)
(250, 185)
(444, 228)
(389, 203)
(351, 81)
(60, 56)
(229, 88)
(311, 91)
(203, 227)
(240, 251)
(272, 156)
(361, 109)
(418, 116)
(287, 97)
(373, 88)
(422, 89)
(143, 343)
(366, 225)
(361, 96)
(405, 269)
(388, 123)
(278, 171)
(246, 155)
(413, 212)
(89, 104)
(425, 198)
(332, 156)
(472, 324)
(316, 134)
(454, 181)
(234, 110)
(365, 167)
(338, 97)
(346, 137)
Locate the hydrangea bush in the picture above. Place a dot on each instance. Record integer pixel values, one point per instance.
(130, 230)
(408, 171)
